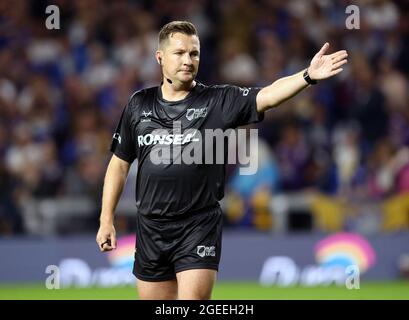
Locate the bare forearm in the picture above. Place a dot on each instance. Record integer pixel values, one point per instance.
(280, 91)
(114, 182)
(322, 66)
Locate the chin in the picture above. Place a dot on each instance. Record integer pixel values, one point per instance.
(186, 79)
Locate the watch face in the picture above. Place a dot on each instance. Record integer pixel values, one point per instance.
(308, 79)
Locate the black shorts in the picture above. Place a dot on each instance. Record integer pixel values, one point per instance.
(165, 248)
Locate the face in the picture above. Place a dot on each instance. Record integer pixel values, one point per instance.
(180, 56)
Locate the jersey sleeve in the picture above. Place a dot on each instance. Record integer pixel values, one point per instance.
(239, 106)
(123, 145)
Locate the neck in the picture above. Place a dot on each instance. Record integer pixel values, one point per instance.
(176, 90)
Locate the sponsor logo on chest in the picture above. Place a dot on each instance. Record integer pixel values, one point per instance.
(193, 113)
(166, 139)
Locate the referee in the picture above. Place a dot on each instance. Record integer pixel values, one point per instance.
(179, 220)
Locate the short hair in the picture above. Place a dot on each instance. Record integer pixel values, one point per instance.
(184, 27)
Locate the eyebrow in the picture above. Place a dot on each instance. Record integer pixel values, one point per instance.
(184, 50)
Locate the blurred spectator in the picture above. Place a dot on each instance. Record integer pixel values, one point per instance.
(238, 66)
(368, 105)
(347, 156)
(381, 15)
(292, 156)
(403, 265)
(10, 215)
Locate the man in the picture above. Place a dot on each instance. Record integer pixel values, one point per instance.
(179, 221)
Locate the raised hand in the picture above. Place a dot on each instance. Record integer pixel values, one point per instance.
(324, 65)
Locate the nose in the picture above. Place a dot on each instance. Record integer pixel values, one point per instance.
(187, 60)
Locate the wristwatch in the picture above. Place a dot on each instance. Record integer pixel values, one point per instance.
(307, 78)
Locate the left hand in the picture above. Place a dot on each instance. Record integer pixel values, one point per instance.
(324, 65)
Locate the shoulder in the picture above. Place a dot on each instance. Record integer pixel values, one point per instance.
(227, 88)
(219, 87)
(132, 109)
(233, 90)
(215, 89)
(136, 99)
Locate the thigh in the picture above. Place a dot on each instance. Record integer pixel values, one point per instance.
(195, 284)
(158, 290)
(152, 263)
(200, 246)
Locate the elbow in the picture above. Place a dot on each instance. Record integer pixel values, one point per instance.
(119, 166)
(268, 99)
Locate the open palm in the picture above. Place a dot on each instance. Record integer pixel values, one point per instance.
(324, 65)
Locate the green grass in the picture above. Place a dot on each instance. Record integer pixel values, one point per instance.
(223, 290)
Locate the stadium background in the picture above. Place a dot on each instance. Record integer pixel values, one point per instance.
(333, 161)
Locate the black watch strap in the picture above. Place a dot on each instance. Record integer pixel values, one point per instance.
(307, 78)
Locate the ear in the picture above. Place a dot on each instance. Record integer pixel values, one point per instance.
(158, 56)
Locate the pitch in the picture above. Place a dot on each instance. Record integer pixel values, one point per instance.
(397, 290)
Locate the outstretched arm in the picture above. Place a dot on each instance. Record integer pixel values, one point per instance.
(322, 66)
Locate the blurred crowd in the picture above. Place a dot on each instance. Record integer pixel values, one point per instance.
(62, 91)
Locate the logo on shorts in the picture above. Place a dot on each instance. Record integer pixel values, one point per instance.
(204, 251)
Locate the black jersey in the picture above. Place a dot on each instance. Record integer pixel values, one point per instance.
(161, 133)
